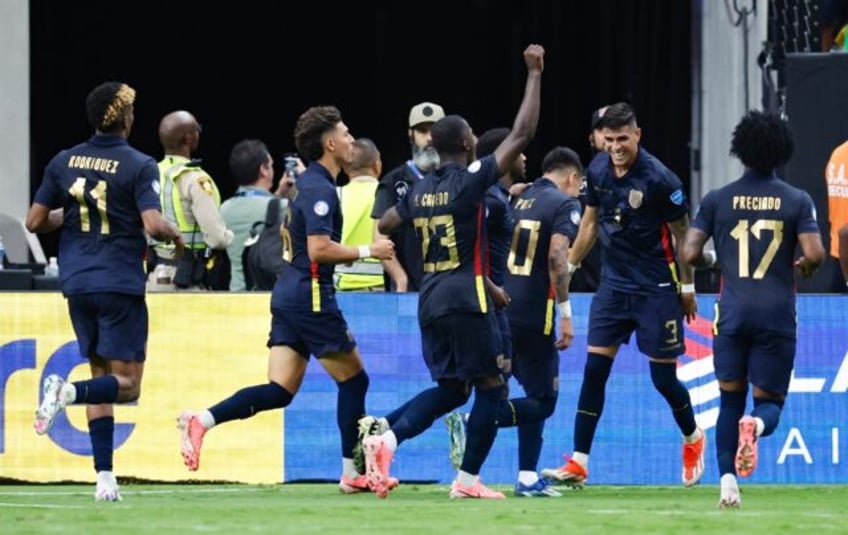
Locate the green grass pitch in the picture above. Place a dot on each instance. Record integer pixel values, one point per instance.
(320, 508)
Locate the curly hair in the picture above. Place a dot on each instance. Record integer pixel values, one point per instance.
(310, 129)
(108, 104)
(762, 141)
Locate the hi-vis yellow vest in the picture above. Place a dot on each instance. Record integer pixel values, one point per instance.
(171, 168)
(357, 200)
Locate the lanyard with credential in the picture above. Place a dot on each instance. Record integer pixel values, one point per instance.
(253, 193)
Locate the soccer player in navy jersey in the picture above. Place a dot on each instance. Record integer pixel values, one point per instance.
(102, 195)
(305, 317)
(499, 227)
(756, 223)
(547, 218)
(534, 273)
(458, 327)
(637, 206)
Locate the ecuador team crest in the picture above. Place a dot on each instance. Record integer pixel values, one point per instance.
(634, 198)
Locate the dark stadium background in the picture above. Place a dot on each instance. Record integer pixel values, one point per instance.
(249, 68)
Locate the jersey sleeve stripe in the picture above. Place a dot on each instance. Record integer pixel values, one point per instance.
(478, 262)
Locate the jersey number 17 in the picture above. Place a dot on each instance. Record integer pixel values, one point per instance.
(740, 233)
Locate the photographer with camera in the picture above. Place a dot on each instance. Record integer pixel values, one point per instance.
(252, 167)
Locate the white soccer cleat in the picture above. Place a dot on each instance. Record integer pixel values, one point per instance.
(730, 497)
(366, 426)
(53, 401)
(107, 488)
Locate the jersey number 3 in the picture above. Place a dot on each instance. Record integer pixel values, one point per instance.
(740, 234)
(98, 196)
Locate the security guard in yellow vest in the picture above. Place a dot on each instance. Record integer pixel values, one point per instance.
(357, 200)
(190, 199)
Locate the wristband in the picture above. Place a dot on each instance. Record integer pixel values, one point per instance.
(571, 267)
(564, 309)
(687, 288)
(364, 251)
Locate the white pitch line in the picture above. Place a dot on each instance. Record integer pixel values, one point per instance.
(40, 505)
(716, 512)
(124, 492)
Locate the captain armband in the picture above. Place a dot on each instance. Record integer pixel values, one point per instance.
(364, 251)
(564, 309)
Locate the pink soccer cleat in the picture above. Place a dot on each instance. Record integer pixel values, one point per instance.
(378, 458)
(477, 490)
(354, 485)
(746, 453)
(191, 439)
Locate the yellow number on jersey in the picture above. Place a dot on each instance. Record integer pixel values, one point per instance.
(98, 195)
(524, 225)
(740, 234)
(285, 235)
(443, 227)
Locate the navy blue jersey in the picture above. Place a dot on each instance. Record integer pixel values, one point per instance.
(540, 211)
(103, 185)
(499, 224)
(755, 222)
(393, 187)
(447, 211)
(305, 285)
(633, 212)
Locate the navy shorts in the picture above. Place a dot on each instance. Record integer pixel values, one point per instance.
(535, 363)
(763, 359)
(310, 333)
(461, 346)
(656, 318)
(110, 325)
(503, 339)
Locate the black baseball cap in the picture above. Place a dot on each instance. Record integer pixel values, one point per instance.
(597, 115)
